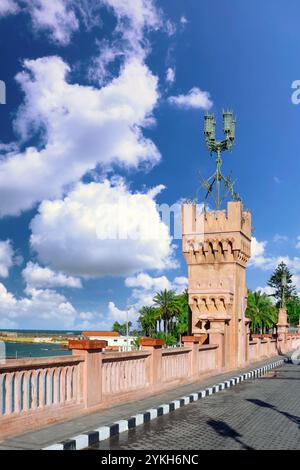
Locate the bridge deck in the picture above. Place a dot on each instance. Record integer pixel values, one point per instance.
(67, 429)
(258, 414)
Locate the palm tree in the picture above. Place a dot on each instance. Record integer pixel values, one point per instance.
(183, 325)
(261, 311)
(167, 305)
(148, 318)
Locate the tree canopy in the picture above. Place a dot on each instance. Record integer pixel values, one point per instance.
(261, 311)
(275, 282)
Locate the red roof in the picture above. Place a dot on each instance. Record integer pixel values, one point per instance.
(100, 333)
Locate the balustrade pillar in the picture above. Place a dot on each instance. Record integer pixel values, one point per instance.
(90, 380)
(154, 361)
(192, 342)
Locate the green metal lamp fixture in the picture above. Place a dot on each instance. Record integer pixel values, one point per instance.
(217, 147)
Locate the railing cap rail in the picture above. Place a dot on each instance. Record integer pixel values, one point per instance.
(125, 354)
(179, 350)
(39, 362)
(208, 346)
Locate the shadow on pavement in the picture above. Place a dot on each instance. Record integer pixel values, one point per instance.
(263, 404)
(225, 430)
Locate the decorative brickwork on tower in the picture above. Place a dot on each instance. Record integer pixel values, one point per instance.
(216, 246)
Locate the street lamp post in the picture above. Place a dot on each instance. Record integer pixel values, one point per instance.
(127, 335)
(127, 326)
(283, 290)
(217, 147)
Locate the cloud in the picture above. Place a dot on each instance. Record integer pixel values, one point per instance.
(101, 229)
(82, 127)
(170, 75)
(280, 238)
(183, 21)
(6, 257)
(8, 7)
(46, 309)
(194, 99)
(40, 308)
(134, 19)
(36, 276)
(116, 314)
(257, 253)
(259, 258)
(55, 17)
(144, 287)
(269, 291)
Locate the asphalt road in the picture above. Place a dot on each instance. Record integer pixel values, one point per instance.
(262, 413)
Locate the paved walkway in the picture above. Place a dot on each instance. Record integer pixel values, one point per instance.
(65, 430)
(262, 413)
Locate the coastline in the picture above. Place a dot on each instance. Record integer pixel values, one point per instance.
(33, 340)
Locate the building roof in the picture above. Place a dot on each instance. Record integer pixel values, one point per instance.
(100, 333)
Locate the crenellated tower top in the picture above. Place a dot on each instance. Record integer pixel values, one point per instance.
(216, 236)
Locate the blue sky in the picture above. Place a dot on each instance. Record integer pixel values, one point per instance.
(105, 104)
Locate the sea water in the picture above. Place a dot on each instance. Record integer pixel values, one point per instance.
(16, 350)
(19, 350)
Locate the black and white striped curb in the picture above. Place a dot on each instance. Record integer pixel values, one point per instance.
(87, 439)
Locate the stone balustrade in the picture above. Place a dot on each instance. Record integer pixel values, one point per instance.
(39, 391)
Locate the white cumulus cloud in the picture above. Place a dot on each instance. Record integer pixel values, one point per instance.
(144, 287)
(170, 75)
(39, 309)
(101, 229)
(6, 257)
(82, 127)
(55, 16)
(195, 98)
(43, 277)
(8, 7)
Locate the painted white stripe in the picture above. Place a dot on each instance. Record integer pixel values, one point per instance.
(222, 385)
(203, 393)
(123, 425)
(216, 388)
(104, 433)
(165, 407)
(82, 441)
(195, 396)
(176, 404)
(210, 391)
(139, 419)
(54, 447)
(153, 413)
(186, 400)
(227, 383)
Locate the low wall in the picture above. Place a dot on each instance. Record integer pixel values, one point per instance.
(39, 391)
(264, 346)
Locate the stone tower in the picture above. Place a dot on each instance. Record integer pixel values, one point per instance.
(216, 246)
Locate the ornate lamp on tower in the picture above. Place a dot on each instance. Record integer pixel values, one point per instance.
(217, 147)
(216, 246)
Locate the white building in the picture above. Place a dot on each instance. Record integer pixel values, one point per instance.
(114, 340)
